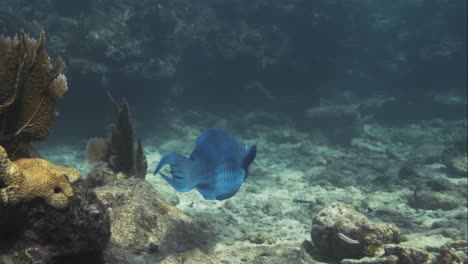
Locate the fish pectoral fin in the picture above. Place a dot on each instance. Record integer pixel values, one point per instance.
(183, 179)
(250, 156)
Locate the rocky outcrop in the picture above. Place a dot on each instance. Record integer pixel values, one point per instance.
(143, 224)
(38, 233)
(439, 194)
(339, 231)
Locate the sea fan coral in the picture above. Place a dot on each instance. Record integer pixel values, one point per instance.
(29, 86)
(96, 150)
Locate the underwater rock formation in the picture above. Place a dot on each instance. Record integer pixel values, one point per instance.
(409, 252)
(340, 124)
(29, 87)
(394, 254)
(26, 179)
(339, 231)
(38, 233)
(439, 194)
(119, 150)
(140, 218)
(99, 176)
(456, 159)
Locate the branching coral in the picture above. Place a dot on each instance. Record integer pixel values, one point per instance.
(29, 86)
(25, 179)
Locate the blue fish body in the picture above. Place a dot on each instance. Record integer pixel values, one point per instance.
(217, 166)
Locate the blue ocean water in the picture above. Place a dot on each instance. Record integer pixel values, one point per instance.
(358, 110)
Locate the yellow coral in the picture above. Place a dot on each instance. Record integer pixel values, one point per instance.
(26, 179)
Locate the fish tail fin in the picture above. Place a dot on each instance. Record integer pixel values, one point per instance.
(181, 170)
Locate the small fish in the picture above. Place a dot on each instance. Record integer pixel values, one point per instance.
(217, 166)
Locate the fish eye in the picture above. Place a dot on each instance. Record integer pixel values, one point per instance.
(57, 190)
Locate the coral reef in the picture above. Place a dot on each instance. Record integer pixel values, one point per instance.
(119, 150)
(29, 87)
(26, 179)
(339, 231)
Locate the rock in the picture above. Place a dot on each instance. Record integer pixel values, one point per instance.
(409, 255)
(448, 255)
(455, 251)
(99, 176)
(439, 194)
(44, 234)
(340, 124)
(140, 217)
(431, 243)
(339, 231)
(426, 153)
(419, 249)
(395, 254)
(456, 159)
(373, 260)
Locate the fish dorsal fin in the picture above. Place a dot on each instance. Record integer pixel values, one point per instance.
(209, 135)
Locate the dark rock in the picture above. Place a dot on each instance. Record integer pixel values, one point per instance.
(50, 235)
(395, 254)
(409, 255)
(339, 231)
(99, 176)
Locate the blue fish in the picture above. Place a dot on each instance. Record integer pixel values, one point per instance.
(217, 166)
